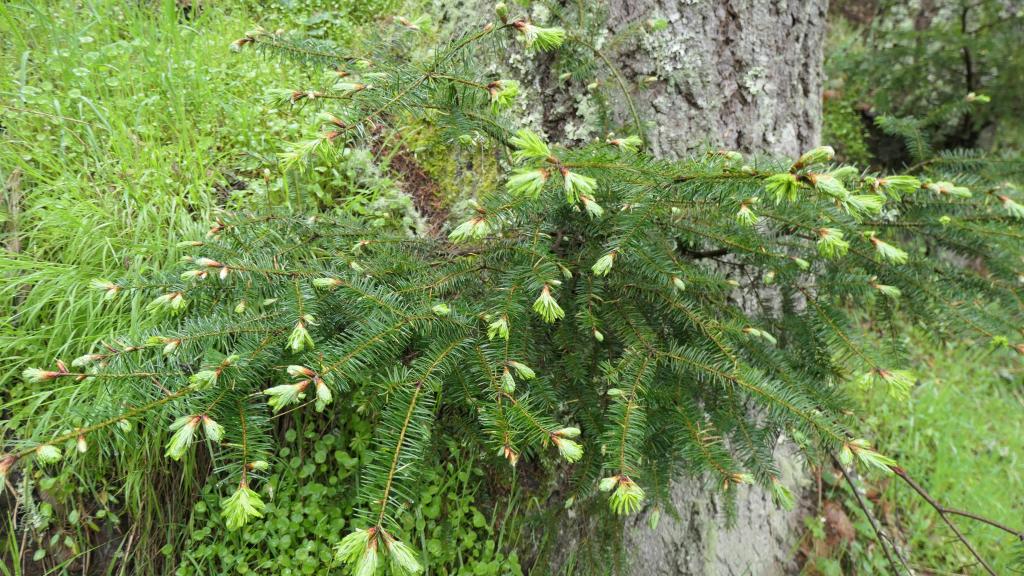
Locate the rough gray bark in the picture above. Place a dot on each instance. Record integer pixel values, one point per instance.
(762, 541)
(742, 75)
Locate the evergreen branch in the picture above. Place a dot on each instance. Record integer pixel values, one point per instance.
(629, 409)
(390, 479)
(836, 329)
(127, 415)
(821, 428)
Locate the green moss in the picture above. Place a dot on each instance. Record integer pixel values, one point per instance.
(843, 129)
(458, 171)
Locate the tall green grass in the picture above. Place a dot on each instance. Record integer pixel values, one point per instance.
(124, 125)
(125, 122)
(960, 435)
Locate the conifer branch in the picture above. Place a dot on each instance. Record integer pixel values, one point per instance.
(403, 431)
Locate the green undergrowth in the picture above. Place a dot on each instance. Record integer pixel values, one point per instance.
(960, 435)
(124, 128)
(125, 124)
(310, 498)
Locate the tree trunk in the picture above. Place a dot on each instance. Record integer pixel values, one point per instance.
(762, 540)
(743, 75)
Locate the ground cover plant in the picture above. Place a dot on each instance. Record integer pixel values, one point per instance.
(586, 309)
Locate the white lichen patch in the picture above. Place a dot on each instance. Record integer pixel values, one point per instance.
(756, 81)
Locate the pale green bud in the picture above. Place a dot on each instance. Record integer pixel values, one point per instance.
(508, 383)
(498, 328)
(782, 187)
(524, 371)
(537, 38)
(568, 432)
(109, 288)
(527, 181)
(831, 243)
(887, 252)
(352, 546)
(1013, 208)
(604, 264)
(628, 144)
(184, 433)
(577, 185)
(87, 359)
(569, 449)
(300, 339)
(547, 307)
(323, 395)
(243, 505)
(259, 465)
(818, 155)
(627, 497)
(608, 483)
(326, 283)
(48, 454)
(285, 394)
(403, 559)
(204, 379)
(529, 146)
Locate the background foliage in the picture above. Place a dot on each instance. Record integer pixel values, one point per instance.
(957, 429)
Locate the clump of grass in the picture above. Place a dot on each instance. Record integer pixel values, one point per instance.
(123, 124)
(124, 121)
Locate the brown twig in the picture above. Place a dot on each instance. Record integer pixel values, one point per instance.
(984, 520)
(882, 537)
(944, 513)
